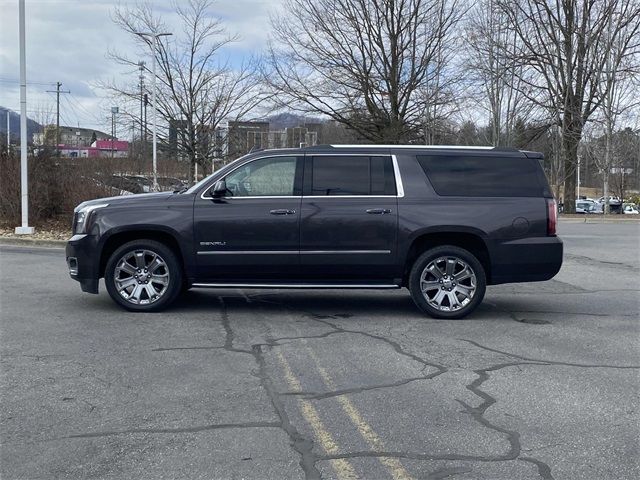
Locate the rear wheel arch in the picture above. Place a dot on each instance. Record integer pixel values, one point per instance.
(472, 241)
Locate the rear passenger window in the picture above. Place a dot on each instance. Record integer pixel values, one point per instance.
(383, 181)
(352, 175)
(477, 176)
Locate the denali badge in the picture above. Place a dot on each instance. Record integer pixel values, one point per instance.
(213, 244)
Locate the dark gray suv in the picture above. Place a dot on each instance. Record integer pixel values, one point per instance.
(444, 222)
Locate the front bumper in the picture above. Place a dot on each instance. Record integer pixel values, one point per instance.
(526, 260)
(82, 263)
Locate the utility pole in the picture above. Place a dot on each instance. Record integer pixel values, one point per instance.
(8, 132)
(154, 40)
(57, 91)
(25, 229)
(144, 145)
(114, 110)
(141, 67)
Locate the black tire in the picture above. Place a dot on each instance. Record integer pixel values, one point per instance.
(172, 267)
(434, 254)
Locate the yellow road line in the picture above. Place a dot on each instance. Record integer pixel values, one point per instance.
(342, 467)
(395, 467)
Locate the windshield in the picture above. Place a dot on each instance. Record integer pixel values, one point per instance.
(206, 180)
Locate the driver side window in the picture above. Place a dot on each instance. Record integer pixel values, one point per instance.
(273, 176)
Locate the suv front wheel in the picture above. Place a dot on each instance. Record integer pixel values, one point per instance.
(447, 282)
(143, 276)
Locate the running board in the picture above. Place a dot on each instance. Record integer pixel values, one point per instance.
(295, 285)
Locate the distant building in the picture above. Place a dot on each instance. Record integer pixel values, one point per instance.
(242, 137)
(177, 135)
(72, 136)
(99, 148)
(239, 138)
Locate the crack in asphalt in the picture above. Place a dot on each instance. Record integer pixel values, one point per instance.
(488, 400)
(338, 330)
(201, 428)
(538, 361)
(169, 349)
(302, 445)
(348, 391)
(543, 469)
(513, 437)
(229, 334)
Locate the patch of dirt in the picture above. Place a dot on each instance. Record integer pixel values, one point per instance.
(51, 229)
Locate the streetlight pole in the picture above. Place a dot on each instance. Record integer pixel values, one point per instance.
(25, 229)
(154, 40)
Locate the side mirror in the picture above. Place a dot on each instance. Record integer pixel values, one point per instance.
(219, 189)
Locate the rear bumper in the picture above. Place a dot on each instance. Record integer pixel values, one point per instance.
(81, 262)
(526, 260)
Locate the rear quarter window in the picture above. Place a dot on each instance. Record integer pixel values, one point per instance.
(484, 176)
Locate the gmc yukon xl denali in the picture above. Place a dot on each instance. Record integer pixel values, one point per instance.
(444, 222)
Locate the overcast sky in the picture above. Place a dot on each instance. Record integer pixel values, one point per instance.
(68, 41)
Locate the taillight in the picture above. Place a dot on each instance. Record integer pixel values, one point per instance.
(552, 216)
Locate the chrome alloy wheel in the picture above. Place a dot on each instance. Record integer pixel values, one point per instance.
(448, 283)
(141, 277)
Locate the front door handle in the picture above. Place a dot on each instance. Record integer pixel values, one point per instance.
(378, 211)
(282, 211)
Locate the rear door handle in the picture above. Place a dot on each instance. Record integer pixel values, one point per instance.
(282, 211)
(378, 211)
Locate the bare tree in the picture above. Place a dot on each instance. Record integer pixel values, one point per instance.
(197, 88)
(618, 90)
(564, 45)
(493, 41)
(371, 65)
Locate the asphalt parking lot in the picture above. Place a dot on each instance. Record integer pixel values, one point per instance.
(541, 382)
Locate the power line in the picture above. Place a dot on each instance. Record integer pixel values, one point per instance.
(7, 80)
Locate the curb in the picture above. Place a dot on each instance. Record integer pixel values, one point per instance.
(595, 219)
(32, 242)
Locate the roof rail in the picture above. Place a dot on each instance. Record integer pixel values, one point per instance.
(422, 147)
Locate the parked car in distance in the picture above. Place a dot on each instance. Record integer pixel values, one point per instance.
(362, 216)
(144, 183)
(122, 183)
(582, 206)
(170, 183)
(630, 209)
(613, 200)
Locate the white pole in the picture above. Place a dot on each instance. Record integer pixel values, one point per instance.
(8, 132)
(25, 229)
(153, 101)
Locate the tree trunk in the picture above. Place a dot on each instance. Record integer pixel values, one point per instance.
(192, 168)
(570, 143)
(607, 166)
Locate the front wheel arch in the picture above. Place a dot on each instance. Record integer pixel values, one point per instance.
(116, 240)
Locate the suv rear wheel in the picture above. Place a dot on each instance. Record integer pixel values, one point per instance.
(143, 276)
(447, 282)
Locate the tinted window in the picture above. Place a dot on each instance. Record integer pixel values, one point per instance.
(265, 177)
(352, 175)
(470, 176)
(383, 181)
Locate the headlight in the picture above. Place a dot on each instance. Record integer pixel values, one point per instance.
(81, 217)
